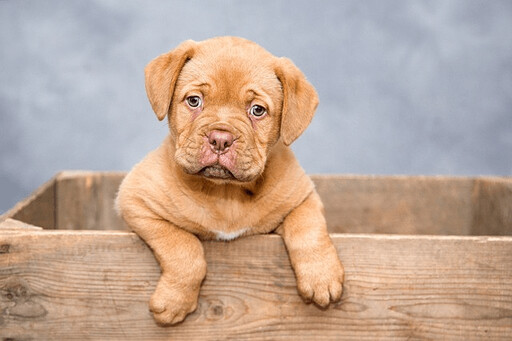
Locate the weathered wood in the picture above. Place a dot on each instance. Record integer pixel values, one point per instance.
(85, 201)
(16, 225)
(492, 207)
(397, 204)
(356, 204)
(95, 285)
(38, 209)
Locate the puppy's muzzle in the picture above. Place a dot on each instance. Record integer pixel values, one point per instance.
(220, 141)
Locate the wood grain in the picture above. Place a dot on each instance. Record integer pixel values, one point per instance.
(397, 204)
(357, 204)
(95, 285)
(16, 225)
(492, 207)
(38, 209)
(85, 201)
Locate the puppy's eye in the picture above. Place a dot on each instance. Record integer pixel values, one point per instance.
(194, 101)
(257, 110)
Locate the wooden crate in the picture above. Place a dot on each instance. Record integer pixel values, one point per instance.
(425, 257)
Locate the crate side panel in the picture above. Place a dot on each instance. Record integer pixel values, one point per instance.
(16, 225)
(397, 205)
(492, 207)
(85, 201)
(357, 204)
(38, 209)
(96, 285)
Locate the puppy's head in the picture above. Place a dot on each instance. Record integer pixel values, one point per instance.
(228, 102)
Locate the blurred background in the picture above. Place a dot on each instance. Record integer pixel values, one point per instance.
(406, 87)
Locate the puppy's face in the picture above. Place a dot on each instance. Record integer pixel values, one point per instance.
(226, 112)
(228, 102)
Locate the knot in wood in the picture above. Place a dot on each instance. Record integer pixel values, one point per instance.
(5, 248)
(15, 291)
(218, 310)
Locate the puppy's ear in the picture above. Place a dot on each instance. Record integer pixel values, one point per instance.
(299, 102)
(162, 74)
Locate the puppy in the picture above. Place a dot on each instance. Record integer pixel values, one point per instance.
(226, 170)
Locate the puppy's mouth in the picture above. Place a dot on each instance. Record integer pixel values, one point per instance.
(216, 172)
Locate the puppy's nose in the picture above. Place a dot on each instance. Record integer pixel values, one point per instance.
(220, 140)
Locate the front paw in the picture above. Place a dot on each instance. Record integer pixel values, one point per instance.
(172, 302)
(320, 281)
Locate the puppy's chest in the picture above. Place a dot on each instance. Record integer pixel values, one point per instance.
(230, 214)
(227, 219)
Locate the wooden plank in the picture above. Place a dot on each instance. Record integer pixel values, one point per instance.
(85, 201)
(397, 204)
(492, 207)
(38, 209)
(16, 225)
(356, 204)
(95, 285)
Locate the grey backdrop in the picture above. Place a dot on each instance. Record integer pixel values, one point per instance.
(406, 87)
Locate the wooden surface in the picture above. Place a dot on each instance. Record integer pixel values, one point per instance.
(16, 225)
(353, 204)
(397, 204)
(85, 201)
(492, 208)
(71, 285)
(38, 209)
(64, 284)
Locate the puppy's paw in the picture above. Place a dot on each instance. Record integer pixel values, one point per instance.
(171, 303)
(320, 281)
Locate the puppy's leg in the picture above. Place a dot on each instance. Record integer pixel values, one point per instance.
(314, 259)
(181, 259)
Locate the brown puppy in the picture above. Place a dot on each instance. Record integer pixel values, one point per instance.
(226, 170)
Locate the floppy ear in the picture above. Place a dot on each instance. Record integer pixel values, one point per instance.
(299, 101)
(162, 74)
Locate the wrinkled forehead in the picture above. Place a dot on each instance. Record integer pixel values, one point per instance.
(231, 72)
